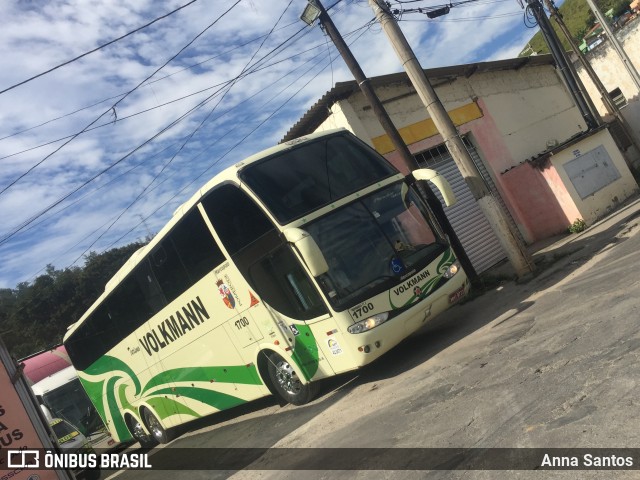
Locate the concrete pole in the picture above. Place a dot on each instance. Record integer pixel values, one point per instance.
(517, 254)
(635, 77)
(571, 79)
(408, 159)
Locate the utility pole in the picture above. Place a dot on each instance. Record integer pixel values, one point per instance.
(635, 77)
(576, 89)
(390, 129)
(510, 242)
(609, 104)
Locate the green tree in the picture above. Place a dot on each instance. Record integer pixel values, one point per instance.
(579, 20)
(34, 316)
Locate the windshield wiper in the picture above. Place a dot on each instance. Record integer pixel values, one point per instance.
(372, 283)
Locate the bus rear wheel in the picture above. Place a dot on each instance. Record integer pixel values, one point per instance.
(156, 429)
(135, 427)
(287, 384)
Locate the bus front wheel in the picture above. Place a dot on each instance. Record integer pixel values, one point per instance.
(286, 382)
(156, 429)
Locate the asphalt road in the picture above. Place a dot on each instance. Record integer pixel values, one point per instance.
(551, 362)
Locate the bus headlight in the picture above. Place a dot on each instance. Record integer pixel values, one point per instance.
(452, 270)
(368, 323)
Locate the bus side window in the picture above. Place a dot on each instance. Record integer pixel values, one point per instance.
(183, 257)
(237, 220)
(196, 247)
(127, 310)
(149, 286)
(168, 269)
(260, 254)
(87, 345)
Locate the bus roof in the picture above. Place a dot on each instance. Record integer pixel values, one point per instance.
(229, 174)
(54, 381)
(40, 365)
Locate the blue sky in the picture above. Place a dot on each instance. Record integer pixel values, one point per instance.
(122, 178)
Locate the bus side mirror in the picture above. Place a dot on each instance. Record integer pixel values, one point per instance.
(439, 181)
(309, 250)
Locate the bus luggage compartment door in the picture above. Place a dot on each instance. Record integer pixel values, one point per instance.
(244, 329)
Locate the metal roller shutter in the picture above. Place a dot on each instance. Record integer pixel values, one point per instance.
(468, 221)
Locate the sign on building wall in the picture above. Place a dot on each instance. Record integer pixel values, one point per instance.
(591, 171)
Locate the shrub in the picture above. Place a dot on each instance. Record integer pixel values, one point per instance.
(578, 226)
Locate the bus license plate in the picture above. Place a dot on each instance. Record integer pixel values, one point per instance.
(457, 295)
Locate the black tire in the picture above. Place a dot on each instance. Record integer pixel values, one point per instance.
(157, 431)
(286, 383)
(143, 438)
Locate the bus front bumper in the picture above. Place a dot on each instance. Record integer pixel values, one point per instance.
(367, 346)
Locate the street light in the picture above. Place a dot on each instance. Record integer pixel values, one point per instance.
(311, 13)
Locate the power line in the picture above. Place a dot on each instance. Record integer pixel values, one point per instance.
(120, 119)
(175, 195)
(149, 140)
(42, 212)
(102, 172)
(434, 11)
(187, 139)
(27, 222)
(79, 199)
(233, 147)
(56, 118)
(466, 19)
(104, 185)
(97, 48)
(221, 54)
(50, 142)
(217, 160)
(112, 108)
(226, 52)
(362, 30)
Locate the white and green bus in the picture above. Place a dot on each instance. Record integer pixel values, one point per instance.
(304, 261)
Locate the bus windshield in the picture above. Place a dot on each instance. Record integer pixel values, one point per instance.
(373, 242)
(70, 401)
(305, 178)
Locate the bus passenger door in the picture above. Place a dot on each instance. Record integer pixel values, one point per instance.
(264, 277)
(294, 306)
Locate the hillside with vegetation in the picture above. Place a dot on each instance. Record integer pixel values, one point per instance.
(34, 316)
(579, 19)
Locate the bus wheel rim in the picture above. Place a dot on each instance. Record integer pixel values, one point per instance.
(287, 378)
(138, 431)
(155, 427)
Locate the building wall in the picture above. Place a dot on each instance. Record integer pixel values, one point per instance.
(601, 202)
(541, 199)
(560, 193)
(610, 69)
(529, 107)
(612, 73)
(344, 116)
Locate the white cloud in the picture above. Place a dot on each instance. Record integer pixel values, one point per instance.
(33, 40)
